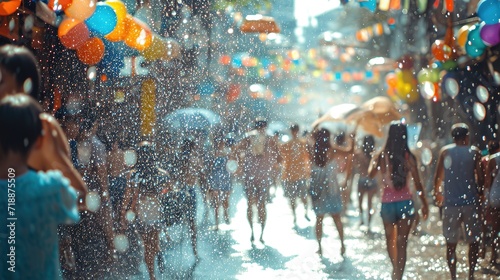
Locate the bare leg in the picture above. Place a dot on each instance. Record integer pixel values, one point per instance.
(319, 232)
(151, 248)
(403, 230)
(261, 208)
(225, 205)
(214, 195)
(361, 194)
(473, 255)
(193, 230)
(390, 238)
(371, 194)
(340, 228)
(451, 258)
(250, 202)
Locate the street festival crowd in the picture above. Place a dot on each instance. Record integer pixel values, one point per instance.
(67, 196)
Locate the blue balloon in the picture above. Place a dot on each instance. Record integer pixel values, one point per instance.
(103, 20)
(473, 51)
(369, 4)
(489, 11)
(474, 37)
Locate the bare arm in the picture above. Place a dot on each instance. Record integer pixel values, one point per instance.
(374, 165)
(413, 165)
(479, 173)
(439, 178)
(491, 172)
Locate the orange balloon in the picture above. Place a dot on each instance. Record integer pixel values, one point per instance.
(81, 9)
(392, 80)
(9, 7)
(462, 35)
(91, 52)
(73, 33)
(440, 50)
(138, 35)
(60, 4)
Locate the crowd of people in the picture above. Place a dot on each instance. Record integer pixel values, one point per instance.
(73, 193)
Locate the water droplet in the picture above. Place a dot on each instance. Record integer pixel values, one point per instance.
(130, 157)
(93, 201)
(452, 87)
(121, 243)
(447, 162)
(479, 111)
(130, 216)
(482, 94)
(28, 86)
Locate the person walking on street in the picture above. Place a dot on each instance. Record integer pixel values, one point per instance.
(261, 157)
(325, 189)
(296, 170)
(457, 188)
(366, 186)
(396, 164)
(492, 211)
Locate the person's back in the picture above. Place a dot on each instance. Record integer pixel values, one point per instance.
(42, 201)
(34, 203)
(460, 187)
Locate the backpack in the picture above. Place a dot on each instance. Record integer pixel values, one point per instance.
(494, 196)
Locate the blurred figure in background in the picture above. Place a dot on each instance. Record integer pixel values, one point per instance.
(326, 190)
(261, 156)
(220, 180)
(366, 186)
(296, 170)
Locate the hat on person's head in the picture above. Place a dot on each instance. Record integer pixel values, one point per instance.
(260, 123)
(459, 131)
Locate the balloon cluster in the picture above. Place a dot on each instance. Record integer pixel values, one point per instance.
(88, 22)
(402, 84)
(484, 34)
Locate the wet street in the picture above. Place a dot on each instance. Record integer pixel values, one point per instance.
(289, 251)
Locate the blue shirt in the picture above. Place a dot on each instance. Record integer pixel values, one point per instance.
(43, 200)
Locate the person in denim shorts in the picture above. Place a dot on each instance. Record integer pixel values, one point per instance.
(396, 163)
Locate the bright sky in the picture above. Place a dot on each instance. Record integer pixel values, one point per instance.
(310, 8)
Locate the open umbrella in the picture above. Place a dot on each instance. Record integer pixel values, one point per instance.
(192, 119)
(337, 113)
(259, 24)
(374, 114)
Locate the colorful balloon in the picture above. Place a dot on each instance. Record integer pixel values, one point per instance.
(475, 45)
(156, 50)
(9, 7)
(72, 33)
(118, 34)
(57, 5)
(490, 34)
(391, 80)
(462, 35)
(138, 35)
(489, 11)
(103, 20)
(91, 52)
(440, 50)
(81, 9)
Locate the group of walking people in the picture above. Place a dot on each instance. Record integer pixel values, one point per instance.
(129, 199)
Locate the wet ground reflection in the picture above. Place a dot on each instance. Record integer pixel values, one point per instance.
(289, 251)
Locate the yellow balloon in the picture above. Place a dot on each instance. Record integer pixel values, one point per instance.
(118, 34)
(81, 9)
(462, 34)
(156, 50)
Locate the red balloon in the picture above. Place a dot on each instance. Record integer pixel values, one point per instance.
(73, 33)
(440, 50)
(91, 52)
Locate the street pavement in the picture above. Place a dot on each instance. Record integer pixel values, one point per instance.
(289, 251)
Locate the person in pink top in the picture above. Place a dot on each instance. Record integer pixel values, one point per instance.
(396, 164)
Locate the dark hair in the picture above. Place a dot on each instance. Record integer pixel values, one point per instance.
(340, 139)
(21, 62)
(20, 123)
(493, 146)
(294, 127)
(321, 147)
(397, 150)
(368, 145)
(145, 164)
(260, 123)
(459, 131)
